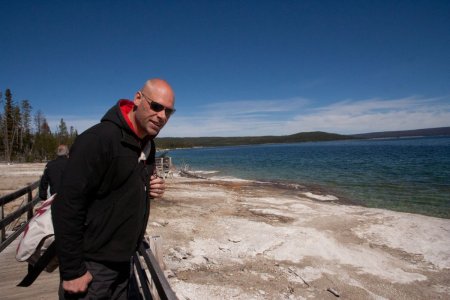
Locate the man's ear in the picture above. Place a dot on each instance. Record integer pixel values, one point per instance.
(137, 98)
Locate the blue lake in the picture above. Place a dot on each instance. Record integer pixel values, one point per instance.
(408, 174)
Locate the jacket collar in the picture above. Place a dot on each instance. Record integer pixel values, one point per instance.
(131, 139)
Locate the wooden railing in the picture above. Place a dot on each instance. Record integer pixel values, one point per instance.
(149, 280)
(163, 167)
(15, 215)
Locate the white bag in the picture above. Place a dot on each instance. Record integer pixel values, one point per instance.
(38, 235)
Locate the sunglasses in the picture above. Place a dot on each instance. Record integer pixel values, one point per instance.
(155, 106)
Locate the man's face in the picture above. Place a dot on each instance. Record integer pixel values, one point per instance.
(152, 111)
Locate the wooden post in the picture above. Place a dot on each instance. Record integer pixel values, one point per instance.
(156, 248)
(3, 229)
(30, 210)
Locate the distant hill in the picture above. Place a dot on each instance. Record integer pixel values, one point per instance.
(316, 136)
(190, 142)
(405, 133)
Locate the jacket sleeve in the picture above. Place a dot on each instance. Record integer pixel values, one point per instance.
(43, 185)
(85, 168)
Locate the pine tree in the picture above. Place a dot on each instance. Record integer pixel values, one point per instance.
(17, 128)
(27, 138)
(8, 125)
(63, 134)
(20, 141)
(38, 118)
(73, 133)
(45, 142)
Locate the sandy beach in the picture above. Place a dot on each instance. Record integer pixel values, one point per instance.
(248, 240)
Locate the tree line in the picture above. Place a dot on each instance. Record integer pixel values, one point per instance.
(28, 138)
(315, 136)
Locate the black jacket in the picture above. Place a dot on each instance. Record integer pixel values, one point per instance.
(52, 176)
(102, 209)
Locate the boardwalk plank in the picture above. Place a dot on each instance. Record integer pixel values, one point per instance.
(12, 272)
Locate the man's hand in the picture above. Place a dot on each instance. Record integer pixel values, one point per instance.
(157, 186)
(78, 285)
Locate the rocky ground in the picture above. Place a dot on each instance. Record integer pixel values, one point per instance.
(247, 240)
(244, 240)
(16, 176)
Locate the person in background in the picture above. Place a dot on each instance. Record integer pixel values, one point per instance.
(101, 213)
(53, 173)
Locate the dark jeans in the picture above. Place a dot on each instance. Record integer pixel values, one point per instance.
(110, 281)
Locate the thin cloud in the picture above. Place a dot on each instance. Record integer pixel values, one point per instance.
(218, 126)
(349, 117)
(251, 107)
(345, 117)
(289, 116)
(365, 106)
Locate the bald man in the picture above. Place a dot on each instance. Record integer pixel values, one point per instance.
(101, 212)
(53, 172)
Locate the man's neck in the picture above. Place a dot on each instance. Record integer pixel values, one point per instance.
(138, 130)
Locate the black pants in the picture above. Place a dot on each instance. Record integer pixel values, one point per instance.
(110, 281)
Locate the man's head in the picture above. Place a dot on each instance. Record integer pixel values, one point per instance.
(62, 150)
(154, 104)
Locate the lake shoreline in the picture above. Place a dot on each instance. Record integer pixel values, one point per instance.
(409, 175)
(241, 240)
(244, 240)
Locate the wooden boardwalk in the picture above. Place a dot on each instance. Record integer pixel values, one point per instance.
(150, 281)
(12, 272)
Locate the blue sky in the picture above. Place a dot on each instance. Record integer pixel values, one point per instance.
(237, 67)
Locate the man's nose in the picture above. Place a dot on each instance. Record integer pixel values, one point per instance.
(162, 116)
